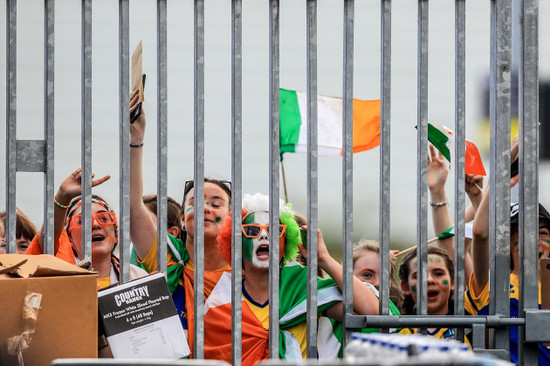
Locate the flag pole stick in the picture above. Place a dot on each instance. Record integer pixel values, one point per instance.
(284, 181)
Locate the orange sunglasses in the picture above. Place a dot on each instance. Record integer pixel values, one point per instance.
(254, 230)
(103, 218)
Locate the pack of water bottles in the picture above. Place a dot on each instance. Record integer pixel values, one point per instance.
(394, 349)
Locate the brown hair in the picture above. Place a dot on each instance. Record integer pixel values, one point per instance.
(223, 184)
(372, 246)
(23, 225)
(408, 306)
(173, 209)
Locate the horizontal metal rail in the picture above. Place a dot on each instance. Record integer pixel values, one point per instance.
(412, 321)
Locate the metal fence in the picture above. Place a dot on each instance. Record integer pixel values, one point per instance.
(38, 156)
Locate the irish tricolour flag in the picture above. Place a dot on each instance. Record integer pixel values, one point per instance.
(293, 123)
(443, 139)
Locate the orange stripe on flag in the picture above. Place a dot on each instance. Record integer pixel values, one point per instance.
(473, 163)
(366, 124)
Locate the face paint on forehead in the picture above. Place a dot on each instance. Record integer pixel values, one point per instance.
(249, 219)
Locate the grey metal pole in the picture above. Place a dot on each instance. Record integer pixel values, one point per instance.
(49, 92)
(312, 179)
(124, 148)
(236, 179)
(274, 179)
(422, 156)
(385, 154)
(11, 122)
(162, 133)
(86, 129)
(347, 165)
(459, 158)
(528, 171)
(199, 180)
(499, 207)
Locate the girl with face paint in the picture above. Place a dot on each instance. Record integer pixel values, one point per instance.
(440, 288)
(293, 288)
(180, 257)
(68, 225)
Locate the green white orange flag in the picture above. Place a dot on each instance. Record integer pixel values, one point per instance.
(443, 139)
(293, 123)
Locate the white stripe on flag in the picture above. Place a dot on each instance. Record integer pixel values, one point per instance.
(329, 115)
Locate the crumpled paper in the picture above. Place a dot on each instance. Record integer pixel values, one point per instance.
(19, 343)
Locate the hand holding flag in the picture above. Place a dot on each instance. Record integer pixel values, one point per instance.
(443, 138)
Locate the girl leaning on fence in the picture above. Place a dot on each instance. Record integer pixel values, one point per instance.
(180, 255)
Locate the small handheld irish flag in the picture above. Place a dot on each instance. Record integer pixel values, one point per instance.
(293, 123)
(443, 139)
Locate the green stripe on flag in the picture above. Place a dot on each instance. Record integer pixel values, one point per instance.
(439, 140)
(289, 121)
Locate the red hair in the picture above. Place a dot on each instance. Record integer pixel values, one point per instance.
(224, 238)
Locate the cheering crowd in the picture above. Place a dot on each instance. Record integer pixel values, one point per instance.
(292, 259)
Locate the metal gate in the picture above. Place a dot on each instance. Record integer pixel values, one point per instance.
(38, 156)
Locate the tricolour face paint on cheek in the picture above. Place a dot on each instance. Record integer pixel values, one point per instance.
(248, 248)
(248, 243)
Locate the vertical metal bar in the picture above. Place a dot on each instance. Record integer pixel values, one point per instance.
(312, 181)
(124, 148)
(49, 62)
(459, 158)
(422, 154)
(86, 129)
(385, 156)
(236, 179)
(347, 166)
(162, 134)
(11, 122)
(478, 336)
(528, 171)
(199, 180)
(274, 178)
(499, 207)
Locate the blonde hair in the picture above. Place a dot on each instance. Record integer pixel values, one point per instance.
(365, 246)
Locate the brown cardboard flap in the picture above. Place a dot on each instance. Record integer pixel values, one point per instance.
(43, 265)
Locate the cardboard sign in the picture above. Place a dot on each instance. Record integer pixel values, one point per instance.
(140, 320)
(136, 72)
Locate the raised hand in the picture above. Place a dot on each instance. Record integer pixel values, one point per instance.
(473, 185)
(72, 186)
(137, 129)
(322, 251)
(438, 170)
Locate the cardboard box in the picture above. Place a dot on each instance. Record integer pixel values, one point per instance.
(66, 322)
(141, 321)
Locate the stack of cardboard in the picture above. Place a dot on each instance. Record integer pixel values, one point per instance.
(48, 310)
